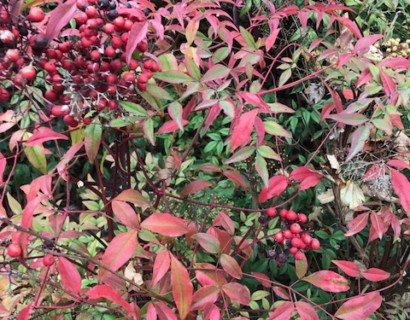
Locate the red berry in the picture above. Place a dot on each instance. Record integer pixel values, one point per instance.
(271, 212)
(50, 67)
(143, 78)
(287, 234)
(133, 64)
(296, 242)
(4, 95)
(95, 55)
(128, 77)
(154, 66)
(141, 86)
(91, 11)
(315, 244)
(293, 250)
(70, 121)
(12, 55)
(142, 46)
(299, 255)
(291, 216)
(119, 23)
(279, 237)
(38, 43)
(48, 260)
(29, 73)
(302, 218)
(7, 36)
(87, 120)
(147, 64)
(116, 42)
(36, 14)
(306, 238)
(283, 213)
(60, 111)
(14, 250)
(295, 228)
(112, 104)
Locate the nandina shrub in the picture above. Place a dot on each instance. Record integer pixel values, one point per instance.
(183, 161)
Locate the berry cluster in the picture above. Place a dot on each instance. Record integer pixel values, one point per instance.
(84, 70)
(291, 237)
(14, 251)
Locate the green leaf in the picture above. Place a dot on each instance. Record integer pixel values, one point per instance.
(276, 129)
(217, 72)
(133, 108)
(284, 77)
(241, 155)
(173, 76)
(168, 62)
(220, 54)
(37, 157)
(268, 153)
(122, 122)
(262, 169)
(247, 37)
(92, 139)
(149, 130)
(175, 112)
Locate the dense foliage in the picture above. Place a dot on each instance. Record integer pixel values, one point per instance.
(204, 159)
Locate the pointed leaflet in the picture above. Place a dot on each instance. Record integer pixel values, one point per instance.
(277, 185)
(118, 252)
(173, 76)
(306, 311)
(237, 292)
(235, 177)
(231, 266)
(388, 83)
(353, 119)
(275, 129)
(401, 187)
(208, 242)
(360, 307)
(216, 72)
(375, 274)
(395, 63)
(59, 17)
(328, 281)
(222, 219)
(175, 112)
(348, 267)
(161, 266)
(195, 186)
(363, 45)
(92, 139)
(204, 297)
(283, 312)
(24, 314)
(182, 288)
(241, 134)
(301, 266)
(378, 225)
(134, 197)
(37, 158)
(240, 155)
(104, 291)
(165, 224)
(136, 35)
(125, 213)
(44, 134)
(170, 126)
(151, 312)
(164, 312)
(357, 224)
(359, 138)
(281, 292)
(70, 277)
(307, 176)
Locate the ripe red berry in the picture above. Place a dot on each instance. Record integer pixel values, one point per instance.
(95, 55)
(142, 46)
(141, 86)
(12, 55)
(28, 73)
(60, 111)
(295, 228)
(291, 215)
(302, 218)
(91, 11)
(48, 260)
(271, 212)
(283, 213)
(119, 23)
(70, 121)
(299, 255)
(306, 238)
(116, 42)
(14, 250)
(315, 244)
(87, 120)
(4, 95)
(279, 237)
(296, 242)
(154, 66)
(50, 67)
(36, 14)
(112, 104)
(287, 234)
(143, 78)
(293, 250)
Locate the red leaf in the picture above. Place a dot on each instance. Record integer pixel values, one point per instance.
(70, 277)
(241, 134)
(271, 39)
(377, 224)
(165, 224)
(212, 115)
(306, 311)
(277, 185)
(363, 45)
(375, 274)
(3, 163)
(281, 292)
(59, 17)
(134, 197)
(44, 134)
(262, 278)
(182, 288)
(307, 176)
(401, 187)
(195, 186)
(137, 33)
(237, 292)
(359, 138)
(395, 63)
(24, 314)
(397, 163)
(118, 252)
(204, 297)
(352, 26)
(328, 281)
(208, 242)
(106, 292)
(360, 307)
(222, 219)
(388, 83)
(235, 177)
(164, 312)
(231, 266)
(348, 267)
(161, 266)
(125, 213)
(171, 126)
(151, 312)
(283, 312)
(357, 224)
